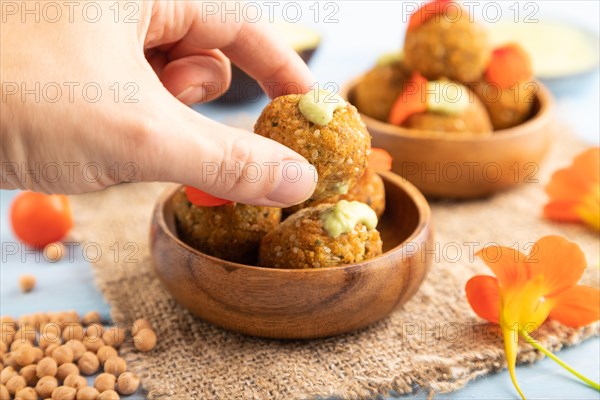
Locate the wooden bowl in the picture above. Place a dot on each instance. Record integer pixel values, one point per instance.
(466, 165)
(300, 304)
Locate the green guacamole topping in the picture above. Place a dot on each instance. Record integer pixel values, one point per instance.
(446, 97)
(390, 58)
(318, 106)
(345, 215)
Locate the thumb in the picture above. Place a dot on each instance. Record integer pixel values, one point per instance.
(226, 162)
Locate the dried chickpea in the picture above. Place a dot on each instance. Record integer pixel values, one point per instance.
(8, 360)
(41, 318)
(27, 319)
(70, 316)
(7, 333)
(46, 367)
(27, 393)
(87, 393)
(88, 363)
(29, 374)
(25, 355)
(16, 344)
(115, 365)
(51, 328)
(26, 333)
(63, 354)
(3, 348)
(140, 324)
(54, 252)
(48, 340)
(105, 352)
(66, 370)
(6, 374)
(27, 283)
(108, 395)
(75, 381)
(114, 336)
(4, 395)
(46, 386)
(7, 319)
(104, 382)
(92, 344)
(94, 331)
(77, 347)
(145, 340)
(72, 331)
(38, 354)
(64, 393)
(50, 349)
(91, 318)
(127, 383)
(15, 384)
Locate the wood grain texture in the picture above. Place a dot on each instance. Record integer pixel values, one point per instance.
(299, 304)
(463, 165)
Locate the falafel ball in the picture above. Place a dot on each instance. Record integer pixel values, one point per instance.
(336, 142)
(507, 88)
(369, 190)
(376, 92)
(305, 239)
(449, 44)
(474, 119)
(507, 107)
(450, 108)
(231, 232)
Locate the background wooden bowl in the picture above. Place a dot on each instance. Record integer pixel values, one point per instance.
(299, 304)
(465, 165)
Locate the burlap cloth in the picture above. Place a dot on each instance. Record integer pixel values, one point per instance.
(435, 342)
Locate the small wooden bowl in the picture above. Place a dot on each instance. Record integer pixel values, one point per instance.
(300, 304)
(465, 165)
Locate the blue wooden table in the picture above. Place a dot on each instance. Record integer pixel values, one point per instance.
(69, 283)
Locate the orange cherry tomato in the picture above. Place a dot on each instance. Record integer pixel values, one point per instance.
(380, 160)
(427, 11)
(199, 198)
(509, 64)
(39, 219)
(411, 101)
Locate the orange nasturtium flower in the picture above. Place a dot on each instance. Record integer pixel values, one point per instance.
(575, 191)
(530, 288)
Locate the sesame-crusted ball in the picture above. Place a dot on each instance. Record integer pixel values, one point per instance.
(473, 119)
(448, 45)
(305, 241)
(369, 190)
(231, 231)
(379, 88)
(338, 149)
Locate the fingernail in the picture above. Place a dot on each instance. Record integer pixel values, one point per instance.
(297, 182)
(191, 95)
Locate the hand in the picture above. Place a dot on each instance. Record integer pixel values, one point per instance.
(88, 104)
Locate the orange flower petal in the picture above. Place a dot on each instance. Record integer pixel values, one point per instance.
(588, 164)
(562, 211)
(484, 297)
(506, 263)
(559, 261)
(567, 185)
(577, 306)
(589, 209)
(574, 191)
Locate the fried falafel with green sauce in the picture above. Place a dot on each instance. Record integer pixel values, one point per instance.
(326, 235)
(325, 130)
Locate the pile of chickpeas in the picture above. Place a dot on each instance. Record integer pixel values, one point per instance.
(47, 355)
